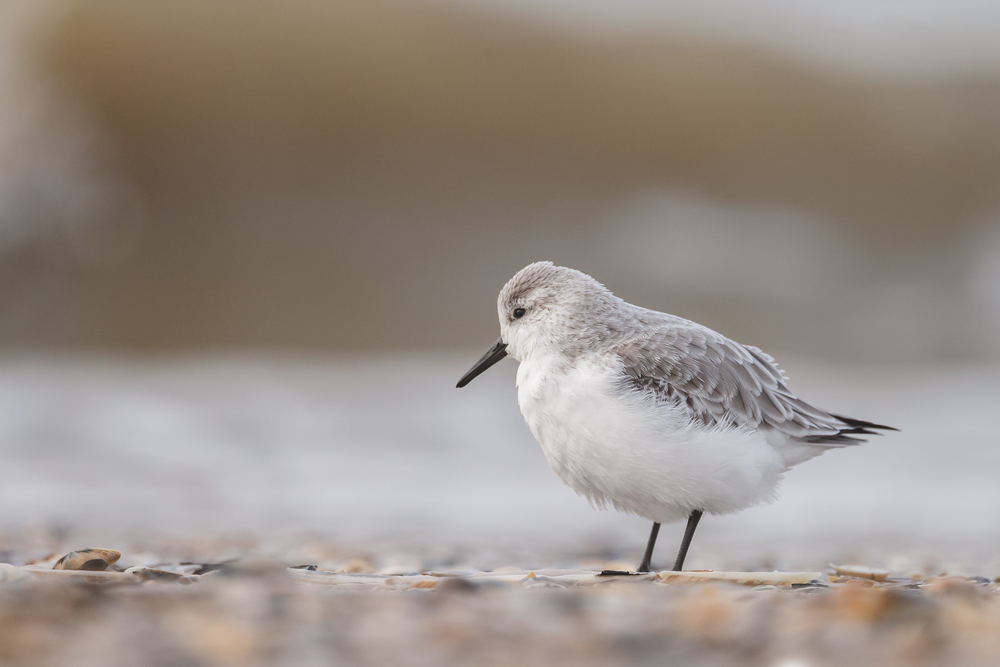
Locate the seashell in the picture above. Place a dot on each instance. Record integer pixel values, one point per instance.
(151, 574)
(861, 571)
(92, 560)
(186, 569)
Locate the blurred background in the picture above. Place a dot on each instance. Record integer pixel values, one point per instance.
(246, 248)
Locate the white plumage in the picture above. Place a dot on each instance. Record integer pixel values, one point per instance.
(651, 413)
(640, 455)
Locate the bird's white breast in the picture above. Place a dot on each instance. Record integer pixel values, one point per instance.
(622, 447)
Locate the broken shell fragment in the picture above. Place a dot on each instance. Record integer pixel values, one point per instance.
(151, 574)
(93, 560)
(861, 571)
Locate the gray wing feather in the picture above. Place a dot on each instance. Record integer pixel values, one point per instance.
(719, 380)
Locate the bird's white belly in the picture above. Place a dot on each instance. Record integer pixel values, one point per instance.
(623, 448)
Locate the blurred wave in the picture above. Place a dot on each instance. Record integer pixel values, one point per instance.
(369, 174)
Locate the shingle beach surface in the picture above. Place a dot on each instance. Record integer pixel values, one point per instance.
(349, 610)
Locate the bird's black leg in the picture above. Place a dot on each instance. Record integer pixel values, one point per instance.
(693, 519)
(644, 566)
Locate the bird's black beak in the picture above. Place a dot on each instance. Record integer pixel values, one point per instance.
(493, 355)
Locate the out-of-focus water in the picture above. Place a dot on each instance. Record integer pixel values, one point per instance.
(374, 447)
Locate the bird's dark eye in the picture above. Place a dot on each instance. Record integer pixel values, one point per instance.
(518, 313)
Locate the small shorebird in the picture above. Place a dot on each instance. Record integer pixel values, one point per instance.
(648, 412)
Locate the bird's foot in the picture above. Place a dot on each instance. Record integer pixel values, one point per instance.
(619, 573)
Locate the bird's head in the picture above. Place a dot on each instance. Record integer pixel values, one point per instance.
(545, 307)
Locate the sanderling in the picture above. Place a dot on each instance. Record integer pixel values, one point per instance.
(648, 412)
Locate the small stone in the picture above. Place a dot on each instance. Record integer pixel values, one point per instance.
(91, 560)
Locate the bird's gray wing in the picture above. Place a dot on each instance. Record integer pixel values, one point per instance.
(721, 381)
